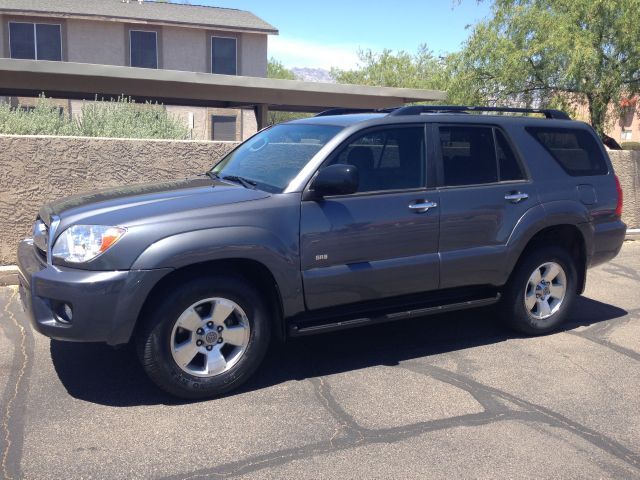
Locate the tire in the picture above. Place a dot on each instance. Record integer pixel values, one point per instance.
(522, 307)
(194, 317)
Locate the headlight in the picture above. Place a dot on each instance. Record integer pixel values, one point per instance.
(81, 243)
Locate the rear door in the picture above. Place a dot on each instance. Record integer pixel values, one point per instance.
(381, 241)
(484, 191)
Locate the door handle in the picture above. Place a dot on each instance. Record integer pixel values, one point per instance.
(422, 206)
(516, 197)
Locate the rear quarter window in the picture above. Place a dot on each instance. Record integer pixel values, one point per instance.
(575, 150)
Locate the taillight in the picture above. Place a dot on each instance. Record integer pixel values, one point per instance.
(619, 190)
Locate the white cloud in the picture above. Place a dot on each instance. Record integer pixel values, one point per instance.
(293, 52)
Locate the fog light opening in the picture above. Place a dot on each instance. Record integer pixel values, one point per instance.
(63, 312)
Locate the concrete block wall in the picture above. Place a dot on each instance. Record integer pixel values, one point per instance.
(38, 169)
(626, 164)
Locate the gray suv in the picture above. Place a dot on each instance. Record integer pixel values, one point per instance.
(341, 220)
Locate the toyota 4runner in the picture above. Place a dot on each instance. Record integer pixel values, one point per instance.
(336, 221)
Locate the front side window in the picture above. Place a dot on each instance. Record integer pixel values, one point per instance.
(144, 49)
(273, 157)
(224, 55)
(390, 159)
(35, 41)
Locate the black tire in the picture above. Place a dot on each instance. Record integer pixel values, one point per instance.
(155, 336)
(513, 311)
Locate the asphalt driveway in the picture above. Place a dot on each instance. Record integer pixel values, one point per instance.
(447, 396)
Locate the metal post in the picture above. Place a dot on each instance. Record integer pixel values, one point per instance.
(262, 115)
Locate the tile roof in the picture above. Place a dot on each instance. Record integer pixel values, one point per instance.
(146, 11)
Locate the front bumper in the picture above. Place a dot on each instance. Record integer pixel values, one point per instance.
(105, 304)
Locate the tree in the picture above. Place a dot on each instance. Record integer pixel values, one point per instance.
(275, 69)
(389, 69)
(550, 52)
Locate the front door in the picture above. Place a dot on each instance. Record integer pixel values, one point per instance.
(484, 193)
(381, 241)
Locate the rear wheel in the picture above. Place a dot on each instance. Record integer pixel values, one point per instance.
(206, 337)
(540, 291)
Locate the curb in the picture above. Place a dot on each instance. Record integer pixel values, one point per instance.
(8, 276)
(632, 234)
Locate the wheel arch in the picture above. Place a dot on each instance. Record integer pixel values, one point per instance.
(566, 235)
(253, 271)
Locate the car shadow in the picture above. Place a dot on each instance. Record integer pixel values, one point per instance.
(107, 376)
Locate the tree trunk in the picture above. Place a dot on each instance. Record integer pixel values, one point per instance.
(598, 112)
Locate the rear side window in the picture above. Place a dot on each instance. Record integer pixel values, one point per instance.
(477, 155)
(575, 150)
(507, 161)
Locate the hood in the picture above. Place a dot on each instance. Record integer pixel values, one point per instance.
(126, 204)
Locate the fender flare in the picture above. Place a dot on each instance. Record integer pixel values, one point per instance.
(228, 243)
(542, 216)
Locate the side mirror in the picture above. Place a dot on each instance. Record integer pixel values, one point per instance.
(338, 179)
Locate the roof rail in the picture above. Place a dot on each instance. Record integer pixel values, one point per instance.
(347, 111)
(420, 109)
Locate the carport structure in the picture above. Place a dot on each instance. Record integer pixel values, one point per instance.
(171, 87)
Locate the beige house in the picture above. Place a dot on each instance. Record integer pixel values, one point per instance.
(144, 34)
(624, 123)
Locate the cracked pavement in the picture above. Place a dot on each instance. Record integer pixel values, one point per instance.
(444, 396)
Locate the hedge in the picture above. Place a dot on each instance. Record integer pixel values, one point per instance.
(121, 118)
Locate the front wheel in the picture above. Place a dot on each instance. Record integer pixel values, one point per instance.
(206, 337)
(540, 291)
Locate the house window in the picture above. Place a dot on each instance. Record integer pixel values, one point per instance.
(626, 134)
(144, 49)
(224, 55)
(35, 41)
(223, 128)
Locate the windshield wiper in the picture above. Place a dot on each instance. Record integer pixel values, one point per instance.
(211, 174)
(245, 182)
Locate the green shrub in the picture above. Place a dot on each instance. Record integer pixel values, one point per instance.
(630, 145)
(121, 118)
(124, 118)
(44, 119)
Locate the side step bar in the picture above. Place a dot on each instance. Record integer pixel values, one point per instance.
(300, 330)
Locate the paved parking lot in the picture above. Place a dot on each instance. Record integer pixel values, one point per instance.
(440, 397)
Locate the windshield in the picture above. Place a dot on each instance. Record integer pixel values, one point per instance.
(273, 157)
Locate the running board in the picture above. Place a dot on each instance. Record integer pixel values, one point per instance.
(300, 330)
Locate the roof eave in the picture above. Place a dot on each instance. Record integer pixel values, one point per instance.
(104, 18)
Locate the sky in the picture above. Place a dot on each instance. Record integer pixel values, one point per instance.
(328, 33)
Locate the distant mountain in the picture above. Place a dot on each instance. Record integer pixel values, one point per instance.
(313, 75)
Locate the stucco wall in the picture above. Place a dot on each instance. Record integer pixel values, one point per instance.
(184, 49)
(96, 42)
(38, 169)
(2, 35)
(253, 55)
(626, 164)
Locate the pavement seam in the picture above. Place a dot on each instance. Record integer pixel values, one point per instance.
(6, 418)
(536, 412)
(633, 355)
(346, 423)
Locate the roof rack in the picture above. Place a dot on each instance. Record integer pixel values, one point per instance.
(420, 109)
(347, 111)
